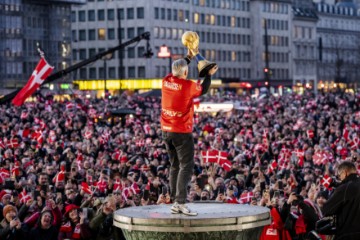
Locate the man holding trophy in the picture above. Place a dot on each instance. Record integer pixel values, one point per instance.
(177, 118)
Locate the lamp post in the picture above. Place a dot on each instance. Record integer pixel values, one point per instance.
(266, 43)
(165, 53)
(105, 59)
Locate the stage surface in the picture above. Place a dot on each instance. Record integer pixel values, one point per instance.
(215, 221)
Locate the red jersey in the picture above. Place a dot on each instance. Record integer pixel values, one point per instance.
(177, 111)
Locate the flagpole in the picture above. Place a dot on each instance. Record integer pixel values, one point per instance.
(62, 73)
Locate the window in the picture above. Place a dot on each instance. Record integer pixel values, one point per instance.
(140, 30)
(156, 13)
(74, 54)
(181, 16)
(82, 16)
(162, 11)
(91, 15)
(111, 33)
(112, 73)
(175, 15)
(82, 54)
(168, 15)
(110, 14)
(101, 73)
(92, 73)
(141, 72)
(130, 32)
(73, 16)
(82, 35)
(140, 52)
(131, 52)
(101, 33)
(131, 72)
(101, 15)
(91, 34)
(92, 52)
(120, 14)
(83, 73)
(130, 13)
(140, 13)
(196, 18)
(121, 33)
(73, 35)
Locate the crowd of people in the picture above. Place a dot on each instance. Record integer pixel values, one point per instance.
(67, 166)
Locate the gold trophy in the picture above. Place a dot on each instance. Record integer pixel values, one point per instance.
(191, 40)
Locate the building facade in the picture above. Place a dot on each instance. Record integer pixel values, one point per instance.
(304, 43)
(27, 24)
(338, 33)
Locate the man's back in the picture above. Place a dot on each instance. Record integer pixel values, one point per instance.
(345, 204)
(177, 104)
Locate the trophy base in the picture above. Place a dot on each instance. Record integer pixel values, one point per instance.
(205, 67)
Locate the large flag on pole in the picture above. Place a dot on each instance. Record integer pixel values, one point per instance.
(41, 72)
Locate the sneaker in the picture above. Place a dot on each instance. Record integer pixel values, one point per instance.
(175, 208)
(182, 208)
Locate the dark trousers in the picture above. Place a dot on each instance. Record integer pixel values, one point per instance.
(180, 147)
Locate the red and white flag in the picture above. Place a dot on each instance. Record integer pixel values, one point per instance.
(225, 164)
(326, 181)
(4, 174)
(24, 197)
(41, 72)
(220, 155)
(272, 167)
(246, 197)
(208, 156)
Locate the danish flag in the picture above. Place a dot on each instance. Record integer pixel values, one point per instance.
(4, 174)
(225, 164)
(41, 72)
(272, 167)
(246, 197)
(208, 156)
(24, 197)
(326, 181)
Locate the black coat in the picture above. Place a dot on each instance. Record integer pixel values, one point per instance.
(44, 234)
(344, 203)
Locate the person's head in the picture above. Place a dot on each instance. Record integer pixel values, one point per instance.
(70, 193)
(9, 212)
(321, 198)
(345, 169)
(5, 197)
(43, 179)
(180, 68)
(50, 170)
(71, 212)
(46, 219)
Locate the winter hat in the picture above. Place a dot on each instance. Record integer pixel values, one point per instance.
(4, 193)
(8, 208)
(69, 208)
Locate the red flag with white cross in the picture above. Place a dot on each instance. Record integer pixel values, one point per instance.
(41, 72)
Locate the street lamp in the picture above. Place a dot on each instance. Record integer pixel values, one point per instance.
(165, 53)
(105, 59)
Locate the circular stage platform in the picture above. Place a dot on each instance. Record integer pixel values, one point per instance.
(215, 221)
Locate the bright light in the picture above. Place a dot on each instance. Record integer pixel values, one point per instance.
(51, 87)
(307, 85)
(322, 85)
(88, 96)
(266, 83)
(334, 84)
(164, 52)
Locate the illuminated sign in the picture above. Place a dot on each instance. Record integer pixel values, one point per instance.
(126, 84)
(64, 86)
(214, 107)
